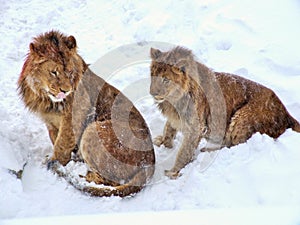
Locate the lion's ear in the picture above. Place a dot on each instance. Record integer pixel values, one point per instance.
(32, 48)
(38, 57)
(181, 66)
(182, 69)
(177, 70)
(155, 53)
(71, 42)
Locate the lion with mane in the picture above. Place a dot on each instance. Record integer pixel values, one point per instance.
(87, 116)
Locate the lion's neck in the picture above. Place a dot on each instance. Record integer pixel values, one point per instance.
(181, 110)
(186, 107)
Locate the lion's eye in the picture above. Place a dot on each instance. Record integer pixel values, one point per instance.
(166, 80)
(70, 73)
(54, 73)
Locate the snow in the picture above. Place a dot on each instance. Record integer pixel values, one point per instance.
(257, 40)
(249, 216)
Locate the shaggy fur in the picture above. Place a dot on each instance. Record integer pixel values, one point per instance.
(225, 109)
(81, 109)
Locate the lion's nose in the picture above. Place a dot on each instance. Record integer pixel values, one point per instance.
(63, 91)
(153, 92)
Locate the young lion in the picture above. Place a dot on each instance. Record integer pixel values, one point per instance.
(82, 111)
(223, 108)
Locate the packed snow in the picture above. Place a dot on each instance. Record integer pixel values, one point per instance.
(258, 40)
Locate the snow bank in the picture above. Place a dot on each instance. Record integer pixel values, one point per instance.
(249, 216)
(257, 40)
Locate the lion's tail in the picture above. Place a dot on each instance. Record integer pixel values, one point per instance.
(137, 182)
(132, 187)
(294, 124)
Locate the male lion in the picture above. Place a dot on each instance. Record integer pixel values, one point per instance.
(82, 112)
(223, 108)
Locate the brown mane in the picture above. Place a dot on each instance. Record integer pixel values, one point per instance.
(84, 114)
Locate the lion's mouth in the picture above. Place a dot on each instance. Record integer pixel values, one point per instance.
(158, 99)
(61, 96)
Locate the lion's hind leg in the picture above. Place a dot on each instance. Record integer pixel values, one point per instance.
(98, 179)
(242, 126)
(266, 116)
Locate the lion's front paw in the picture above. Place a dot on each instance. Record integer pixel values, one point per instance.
(172, 174)
(168, 143)
(158, 141)
(56, 167)
(53, 165)
(61, 156)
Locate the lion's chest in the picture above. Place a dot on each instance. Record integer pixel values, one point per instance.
(53, 119)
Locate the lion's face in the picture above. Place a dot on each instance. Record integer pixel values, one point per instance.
(51, 72)
(168, 81)
(50, 80)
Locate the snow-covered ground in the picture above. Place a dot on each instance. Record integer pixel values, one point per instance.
(255, 39)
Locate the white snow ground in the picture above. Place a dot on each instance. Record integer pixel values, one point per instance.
(255, 39)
